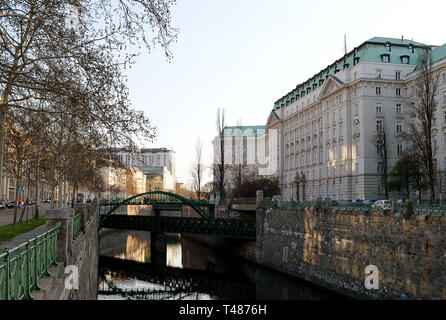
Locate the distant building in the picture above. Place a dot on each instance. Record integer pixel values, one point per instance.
(123, 183)
(159, 178)
(151, 160)
(243, 148)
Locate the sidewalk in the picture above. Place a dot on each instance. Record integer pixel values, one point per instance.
(7, 216)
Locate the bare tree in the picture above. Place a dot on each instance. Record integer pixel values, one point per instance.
(420, 130)
(380, 140)
(46, 57)
(238, 156)
(198, 168)
(219, 149)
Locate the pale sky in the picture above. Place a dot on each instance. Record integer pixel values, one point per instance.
(243, 55)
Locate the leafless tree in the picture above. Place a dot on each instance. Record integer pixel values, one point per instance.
(46, 57)
(421, 128)
(198, 168)
(380, 140)
(219, 149)
(238, 166)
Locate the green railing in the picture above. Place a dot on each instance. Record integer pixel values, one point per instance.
(244, 201)
(76, 226)
(22, 266)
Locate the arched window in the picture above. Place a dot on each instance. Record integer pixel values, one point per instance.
(388, 47)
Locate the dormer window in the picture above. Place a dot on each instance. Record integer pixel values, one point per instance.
(302, 93)
(385, 58)
(321, 82)
(355, 52)
(336, 71)
(388, 47)
(355, 61)
(308, 90)
(411, 50)
(314, 86)
(405, 59)
(292, 100)
(346, 65)
(288, 102)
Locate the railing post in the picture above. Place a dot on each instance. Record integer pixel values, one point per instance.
(63, 217)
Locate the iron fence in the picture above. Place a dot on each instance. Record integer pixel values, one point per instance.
(76, 226)
(22, 266)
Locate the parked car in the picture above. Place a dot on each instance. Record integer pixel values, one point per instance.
(401, 201)
(358, 201)
(2, 205)
(382, 204)
(11, 204)
(368, 202)
(47, 201)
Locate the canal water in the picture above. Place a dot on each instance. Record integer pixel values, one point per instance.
(189, 270)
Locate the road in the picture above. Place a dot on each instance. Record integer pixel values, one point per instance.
(7, 216)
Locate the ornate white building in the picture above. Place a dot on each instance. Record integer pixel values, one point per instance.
(326, 125)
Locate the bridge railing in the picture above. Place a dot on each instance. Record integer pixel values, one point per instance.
(22, 266)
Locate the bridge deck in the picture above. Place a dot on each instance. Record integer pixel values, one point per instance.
(200, 226)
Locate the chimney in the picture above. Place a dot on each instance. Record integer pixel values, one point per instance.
(402, 38)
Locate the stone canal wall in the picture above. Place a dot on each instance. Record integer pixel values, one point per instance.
(80, 252)
(333, 249)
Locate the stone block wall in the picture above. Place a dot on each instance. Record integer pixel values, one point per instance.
(332, 249)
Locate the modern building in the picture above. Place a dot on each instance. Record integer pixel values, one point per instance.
(243, 147)
(325, 125)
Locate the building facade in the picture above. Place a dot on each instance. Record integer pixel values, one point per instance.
(326, 126)
(243, 147)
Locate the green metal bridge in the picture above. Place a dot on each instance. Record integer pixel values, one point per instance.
(161, 200)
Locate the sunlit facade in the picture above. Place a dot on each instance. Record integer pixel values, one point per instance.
(326, 125)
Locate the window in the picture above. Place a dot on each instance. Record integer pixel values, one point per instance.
(380, 168)
(379, 107)
(434, 121)
(399, 126)
(444, 96)
(411, 48)
(378, 73)
(355, 61)
(443, 76)
(398, 109)
(340, 131)
(397, 75)
(398, 91)
(405, 59)
(388, 47)
(435, 144)
(378, 91)
(356, 168)
(444, 116)
(356, 109)
(385, 58)
(357, 148)
(399, 149)
(379, 125)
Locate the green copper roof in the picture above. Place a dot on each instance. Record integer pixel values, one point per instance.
(371, 50)
(244, 131)
(439, 53)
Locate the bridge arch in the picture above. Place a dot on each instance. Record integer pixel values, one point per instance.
(163, 198)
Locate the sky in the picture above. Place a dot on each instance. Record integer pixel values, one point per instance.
(243, 55)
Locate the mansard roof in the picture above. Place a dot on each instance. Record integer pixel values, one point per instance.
(371, 50)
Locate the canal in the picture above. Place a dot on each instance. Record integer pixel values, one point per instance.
(189, 270)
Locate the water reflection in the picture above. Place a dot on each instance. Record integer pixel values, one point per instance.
(191, 271)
